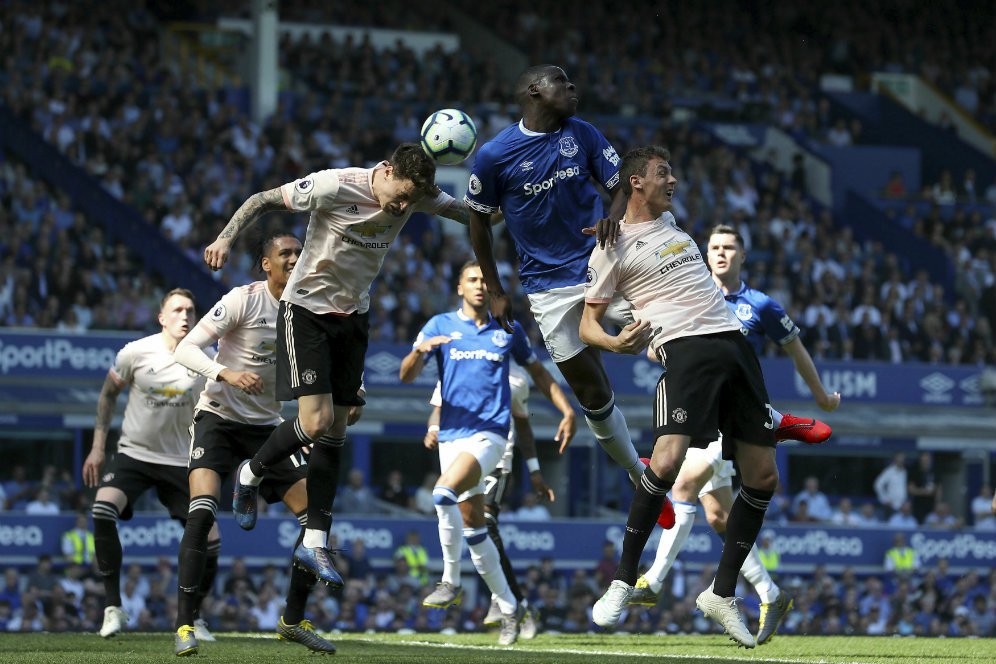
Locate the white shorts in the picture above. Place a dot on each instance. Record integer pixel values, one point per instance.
(484, 446)
(505, 462)
(558, 315)
(722, 469)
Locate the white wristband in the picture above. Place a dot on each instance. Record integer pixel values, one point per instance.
(433, 427)
(533, 465)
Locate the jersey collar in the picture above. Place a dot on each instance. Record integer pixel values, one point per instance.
(530, 132)
(467, 319)
(739, 292)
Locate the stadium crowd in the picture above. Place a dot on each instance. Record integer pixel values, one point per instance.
(929, 602)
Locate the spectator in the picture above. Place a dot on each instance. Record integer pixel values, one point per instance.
(922, 486)
(941, 517)
(394, 490)
(414, 554)
(19, 488)
(30, 617)
(605, 569)
(770, 557)
(239, 573)
(356, 497)
(423, 495)
(891, 484)
(845, 514)
(904, 517)
(530, 510)
(12, 588)
(895, 187)
(867, 516)
(981, 507)
(77, 543)
(816, 501)
(42, 579)
(901, 558)
(359, 565)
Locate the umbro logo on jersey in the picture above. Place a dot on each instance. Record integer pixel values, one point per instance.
(456, 335)
(352, 209)
(640, 244)
(526, 166)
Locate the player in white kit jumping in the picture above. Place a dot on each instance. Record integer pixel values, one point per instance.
(322, 334)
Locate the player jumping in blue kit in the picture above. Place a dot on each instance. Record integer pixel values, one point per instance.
(538, 173)
(471, 350)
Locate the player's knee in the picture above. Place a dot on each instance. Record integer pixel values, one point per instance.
(201, 518)
(717, 520)
(764, 479)
(475, 535)
(316, 426)
(105, 519)
(685, 491)
(443, 496)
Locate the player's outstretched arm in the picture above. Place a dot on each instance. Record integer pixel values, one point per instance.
(459, 211)
(483, 242)
(255, 206)
(631, 340)
(105, 413)
(551, 390)
(805, 368)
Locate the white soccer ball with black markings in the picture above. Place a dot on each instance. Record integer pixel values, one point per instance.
(449, 136)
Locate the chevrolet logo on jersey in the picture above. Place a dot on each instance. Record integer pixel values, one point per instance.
(168, 391)
(673, 248)
(370, 228)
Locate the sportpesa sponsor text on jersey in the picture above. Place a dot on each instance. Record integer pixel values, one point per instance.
(542, 184)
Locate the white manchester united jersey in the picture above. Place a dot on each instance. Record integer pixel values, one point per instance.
(244, 323)
(659, 269)
(160, 402)
(348, 236)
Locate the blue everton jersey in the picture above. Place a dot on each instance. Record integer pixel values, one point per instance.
(541, 183)
(473, 371)
(761, 317)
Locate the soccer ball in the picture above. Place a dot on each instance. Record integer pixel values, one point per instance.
(449, 136)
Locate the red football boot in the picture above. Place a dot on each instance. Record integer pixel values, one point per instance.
(806, 430)
(666, 518)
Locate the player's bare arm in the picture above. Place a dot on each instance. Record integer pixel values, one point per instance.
(526, 443)
(414, 362)
(482, 239)
(807, 370)
(606, 231)
(631, 340)
(190, 353)
(255, 206)
(431, 438)
(105, 413)
(551, 390)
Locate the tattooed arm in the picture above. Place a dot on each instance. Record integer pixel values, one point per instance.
(105, 413)
(255, 206)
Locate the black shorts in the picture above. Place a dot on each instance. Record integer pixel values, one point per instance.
(495, 486)
(134, 477)
(220, 445)
(713, 383)
(320, 354)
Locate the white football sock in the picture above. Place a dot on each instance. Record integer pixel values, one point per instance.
(613, 435)
(247, 478)
(484, 553)
(757, 576)
(450, 523)
(670, 544)
(314, 538)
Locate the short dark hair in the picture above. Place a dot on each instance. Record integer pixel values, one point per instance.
(410, 162)
(466, 266)
(635, 163)
(725, 229)
(177, 291)
(531, 75)
(265, 244)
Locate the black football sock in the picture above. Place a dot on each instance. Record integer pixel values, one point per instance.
(742, 526)
(193, 557)
(210, 573)
(286, 439)
(506, 565)
(107, 550)
(643, 513)
(301, 583)
(323, 481)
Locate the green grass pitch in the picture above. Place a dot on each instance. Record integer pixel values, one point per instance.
(135, 648)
